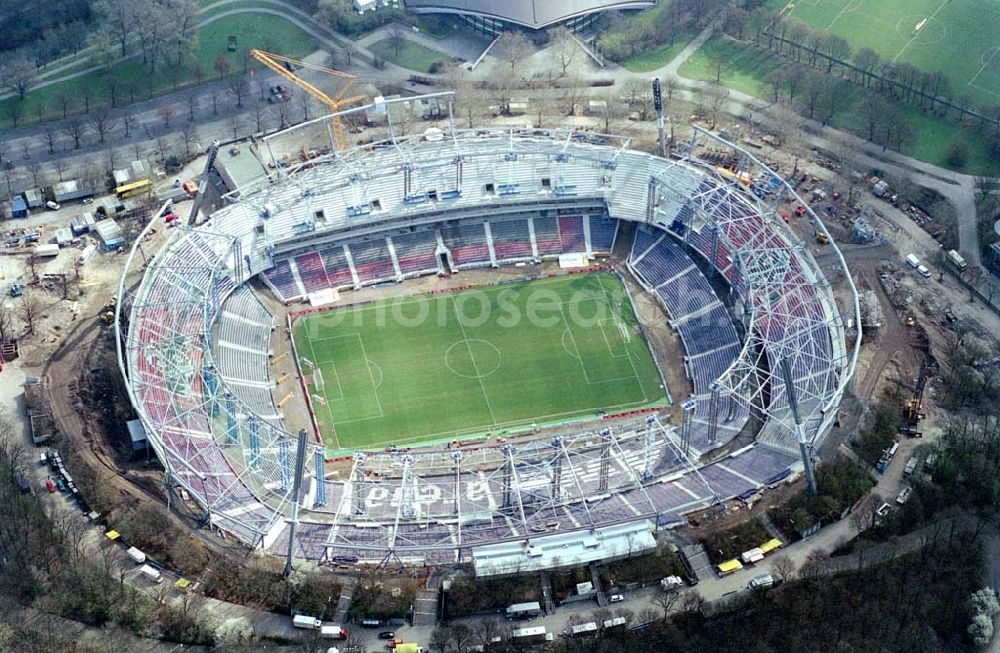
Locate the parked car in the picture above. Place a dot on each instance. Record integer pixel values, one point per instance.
(386, 634)
(53, 205)
(616, 598)
(903, 495)
(15, 290)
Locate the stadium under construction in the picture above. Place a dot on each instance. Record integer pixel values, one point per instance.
(762, 326)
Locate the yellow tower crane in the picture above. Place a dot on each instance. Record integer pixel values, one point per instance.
(283, 66)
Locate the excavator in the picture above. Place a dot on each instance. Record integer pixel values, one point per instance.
(285, 66)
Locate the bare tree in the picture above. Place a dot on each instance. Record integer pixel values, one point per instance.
(512, 48)
(19, 75)
(75, 129)
(258, 115)
(110, 155)
(102, 123)
(50, 138)
(396, 40)
(572, 93)
(14, 112)
(349, 52)
(238, 88)
(221, 66)
(714, 98)
(63, 100)
(34, 168)
(666, 601)
(7, 321)
(865, 513)
(189, 136)
(305, 102)
(235, 121)
(564, 46)
(213, 95)
(784, 566)
(192, 102)
(31, 309)
(60, 166)
(128, 122)
(167, 113)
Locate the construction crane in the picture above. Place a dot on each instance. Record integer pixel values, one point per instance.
(285, 67)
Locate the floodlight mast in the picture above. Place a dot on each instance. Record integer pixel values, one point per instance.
(800, 433)
(658, 105)
(300, 461)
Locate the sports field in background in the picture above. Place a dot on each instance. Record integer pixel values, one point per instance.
(960, 38)
(483, 360)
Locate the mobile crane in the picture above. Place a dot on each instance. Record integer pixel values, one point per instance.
(285, 67)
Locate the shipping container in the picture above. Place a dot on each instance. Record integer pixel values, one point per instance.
(47, 250)
(87, 252)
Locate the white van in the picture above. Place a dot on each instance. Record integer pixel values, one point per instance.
(923, 271)
(912, 261)
(151, 573)
(137, 556)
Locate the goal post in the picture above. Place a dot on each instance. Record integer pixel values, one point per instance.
(317, 377)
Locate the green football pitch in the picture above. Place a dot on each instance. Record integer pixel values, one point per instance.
(485, 360)
(960, 38)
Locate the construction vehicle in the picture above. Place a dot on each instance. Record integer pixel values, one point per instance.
(913, 410)
(285, 66)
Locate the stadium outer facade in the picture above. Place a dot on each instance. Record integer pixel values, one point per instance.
(494, 16)
(530, 503)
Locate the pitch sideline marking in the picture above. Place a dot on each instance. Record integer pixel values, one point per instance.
(849, 6)
(333, 422)
(914, 37)
(987, 62)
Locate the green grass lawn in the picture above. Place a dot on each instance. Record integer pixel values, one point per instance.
(411, 55)
(262, 31)
(477, 361)
(745, 68)
(659, 56)
(960, 39)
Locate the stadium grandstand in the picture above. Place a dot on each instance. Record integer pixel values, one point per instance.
(765, 346)
(495, 16)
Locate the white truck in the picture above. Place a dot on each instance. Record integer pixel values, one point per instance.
(957, 260)
(332, 631)
(137, 556)
(152, 573)
(306, 622)
(912, 261)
